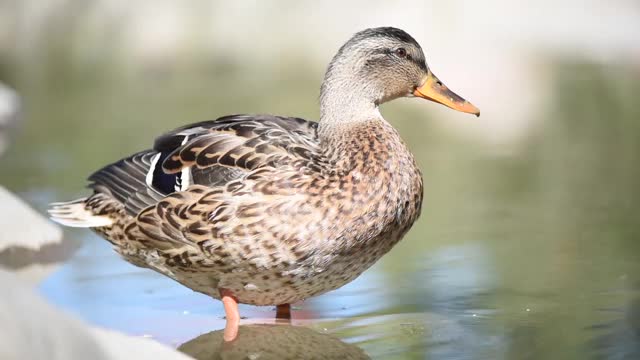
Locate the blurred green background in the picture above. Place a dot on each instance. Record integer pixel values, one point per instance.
(529, 242)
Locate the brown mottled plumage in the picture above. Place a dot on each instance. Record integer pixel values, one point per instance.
(275, 209)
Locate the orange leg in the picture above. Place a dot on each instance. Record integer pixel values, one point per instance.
(283, 313)
(233, 316)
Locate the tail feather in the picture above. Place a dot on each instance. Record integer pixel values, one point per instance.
(76, 214)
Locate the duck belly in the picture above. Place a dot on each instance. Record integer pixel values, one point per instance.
(286, 282)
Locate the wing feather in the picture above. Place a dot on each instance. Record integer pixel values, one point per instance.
(240, 141)
(209, 153)
(125, 181)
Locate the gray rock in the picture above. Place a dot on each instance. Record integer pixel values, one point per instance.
(272, 342)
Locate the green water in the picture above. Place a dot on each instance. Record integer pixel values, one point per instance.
(530, 253)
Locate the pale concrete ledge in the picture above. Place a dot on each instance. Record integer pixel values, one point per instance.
(32, 329)
(30, 245)
(22, 226)
(9, 113)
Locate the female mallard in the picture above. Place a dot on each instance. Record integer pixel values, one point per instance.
(270, 210)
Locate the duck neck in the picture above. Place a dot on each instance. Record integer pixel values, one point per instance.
(345, 101)
(350, 125)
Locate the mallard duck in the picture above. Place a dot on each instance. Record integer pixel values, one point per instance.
(271, 210)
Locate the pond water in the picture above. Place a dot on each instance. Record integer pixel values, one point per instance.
(523, 253)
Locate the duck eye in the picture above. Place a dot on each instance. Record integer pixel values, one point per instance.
(401, 52)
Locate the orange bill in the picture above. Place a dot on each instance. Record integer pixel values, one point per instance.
(434, 90)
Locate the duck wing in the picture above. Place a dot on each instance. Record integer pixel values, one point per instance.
(245, 142)
(210, 153)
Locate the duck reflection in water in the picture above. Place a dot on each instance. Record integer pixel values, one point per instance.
(267, 341)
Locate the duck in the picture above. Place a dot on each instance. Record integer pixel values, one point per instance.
(272, 210)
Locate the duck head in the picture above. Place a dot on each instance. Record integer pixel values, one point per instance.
(378, 65)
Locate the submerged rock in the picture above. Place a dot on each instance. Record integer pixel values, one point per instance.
(272, 342)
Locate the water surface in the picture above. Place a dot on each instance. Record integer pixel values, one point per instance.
(521, 253)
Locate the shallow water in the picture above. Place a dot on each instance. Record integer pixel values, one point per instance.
(526, 252)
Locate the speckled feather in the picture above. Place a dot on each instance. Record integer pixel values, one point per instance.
(298, 222)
